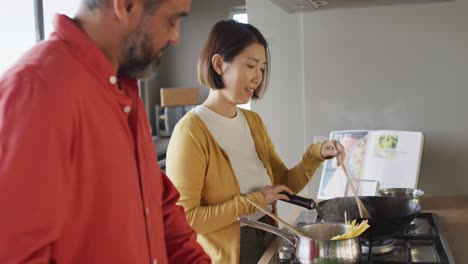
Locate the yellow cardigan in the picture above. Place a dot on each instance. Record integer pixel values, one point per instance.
(209, 190)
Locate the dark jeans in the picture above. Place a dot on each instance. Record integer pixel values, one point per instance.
(254, 242)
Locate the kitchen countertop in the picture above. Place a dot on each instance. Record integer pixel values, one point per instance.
(452, 212)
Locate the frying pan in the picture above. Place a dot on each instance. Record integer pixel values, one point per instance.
(389, 214)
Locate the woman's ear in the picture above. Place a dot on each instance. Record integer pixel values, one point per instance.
(217, 62)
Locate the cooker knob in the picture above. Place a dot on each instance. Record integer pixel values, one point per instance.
(285, 256)
(285, 253)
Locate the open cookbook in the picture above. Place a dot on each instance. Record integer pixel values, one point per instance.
(375, 160)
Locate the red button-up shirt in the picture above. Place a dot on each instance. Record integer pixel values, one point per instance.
(79, 180)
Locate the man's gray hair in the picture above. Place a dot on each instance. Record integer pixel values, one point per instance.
(150, 5)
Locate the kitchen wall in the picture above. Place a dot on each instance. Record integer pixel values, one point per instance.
(282, 107)
(179, 63)
(389, 67)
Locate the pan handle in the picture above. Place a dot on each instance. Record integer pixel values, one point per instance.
(300, 201)
(268, 228)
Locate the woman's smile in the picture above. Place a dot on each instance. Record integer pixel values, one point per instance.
(250, 91)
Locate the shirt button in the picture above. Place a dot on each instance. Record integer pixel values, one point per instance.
(155, 261)
(127, 109)
(147, 211)
(113, 80)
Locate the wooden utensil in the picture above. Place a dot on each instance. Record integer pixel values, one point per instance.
(286, 224)
(363, 212)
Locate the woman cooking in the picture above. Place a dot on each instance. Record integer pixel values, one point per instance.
(220, 155)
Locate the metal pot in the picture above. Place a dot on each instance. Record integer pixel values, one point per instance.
(412, 194)
(317, 247)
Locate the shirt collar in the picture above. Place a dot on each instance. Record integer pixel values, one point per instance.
(84, 48)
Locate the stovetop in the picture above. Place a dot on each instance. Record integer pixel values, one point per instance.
(421, 242)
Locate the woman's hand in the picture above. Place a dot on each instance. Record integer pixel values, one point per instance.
(272, 193)
(333, 149)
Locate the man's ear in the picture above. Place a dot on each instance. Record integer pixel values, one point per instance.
(128, 12)
(217, 61)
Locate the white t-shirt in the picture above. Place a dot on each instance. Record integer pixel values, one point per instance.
(234, 137)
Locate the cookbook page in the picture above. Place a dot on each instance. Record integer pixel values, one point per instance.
(333, 182)
(393, 158)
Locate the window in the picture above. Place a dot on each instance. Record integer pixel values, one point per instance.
(18, 32)
(51, 7)
(240, 15)
(18, 26)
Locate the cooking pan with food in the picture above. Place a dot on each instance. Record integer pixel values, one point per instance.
(389, 214)
(316, 245)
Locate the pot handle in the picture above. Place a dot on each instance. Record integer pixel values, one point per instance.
(268, 228)
(300, 201)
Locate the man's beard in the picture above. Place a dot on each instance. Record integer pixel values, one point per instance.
(141, 60)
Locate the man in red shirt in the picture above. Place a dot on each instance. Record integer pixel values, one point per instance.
(79, 180)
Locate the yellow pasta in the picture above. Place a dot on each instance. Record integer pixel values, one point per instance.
(354, 231)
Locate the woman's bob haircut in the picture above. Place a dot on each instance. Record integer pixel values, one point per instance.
(229, 38)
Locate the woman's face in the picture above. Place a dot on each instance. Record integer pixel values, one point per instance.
(244, 74)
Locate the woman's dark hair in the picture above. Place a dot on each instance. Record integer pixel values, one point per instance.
(229, 38)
